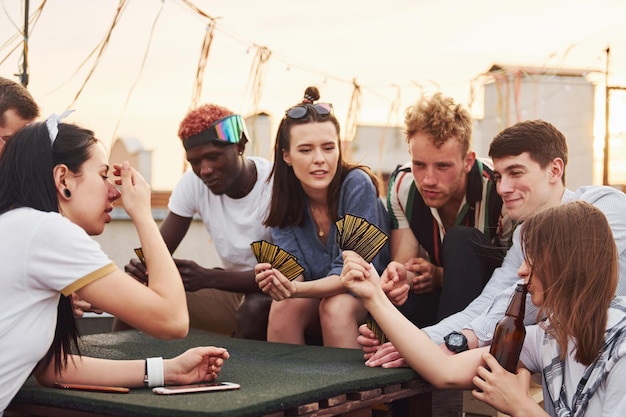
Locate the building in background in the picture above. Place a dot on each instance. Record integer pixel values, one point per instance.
(563, 97)
(261, 140)
(132, 150)
(120, 237)
(382, 148)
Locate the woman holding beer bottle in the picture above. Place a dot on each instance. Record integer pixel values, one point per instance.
(570, 269)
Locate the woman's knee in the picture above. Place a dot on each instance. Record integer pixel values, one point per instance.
(341, 308)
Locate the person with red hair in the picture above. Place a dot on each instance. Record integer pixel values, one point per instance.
(230, 192)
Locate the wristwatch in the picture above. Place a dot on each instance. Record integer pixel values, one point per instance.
(456, 342)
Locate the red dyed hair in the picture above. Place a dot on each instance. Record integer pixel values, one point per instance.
(200, 119)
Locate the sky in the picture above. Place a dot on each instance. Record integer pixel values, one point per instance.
(142, 84)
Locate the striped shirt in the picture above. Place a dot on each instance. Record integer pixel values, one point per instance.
(481, 208)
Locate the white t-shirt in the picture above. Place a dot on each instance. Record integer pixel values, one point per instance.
(608, 400)
(232, 223)
(41, 255)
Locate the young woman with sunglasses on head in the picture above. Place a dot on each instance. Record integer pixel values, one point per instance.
(571, 268)
(313, 188)
(54, 194)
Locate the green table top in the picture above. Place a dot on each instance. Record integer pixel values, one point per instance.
(273, 377)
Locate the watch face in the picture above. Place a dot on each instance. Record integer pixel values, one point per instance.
(456, 339)
(456, 342)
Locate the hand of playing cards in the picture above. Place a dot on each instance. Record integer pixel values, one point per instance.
(374, 327)
(139, 253)
(357, 234)
(286, 263)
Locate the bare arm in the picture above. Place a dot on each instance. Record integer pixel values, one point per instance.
(404, 245)
(159, 309)
(195, 277)
(272, 282)
(421, 353)
(173, 229)
(194, 365)
(319, 288)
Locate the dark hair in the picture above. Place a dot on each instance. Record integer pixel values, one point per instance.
(26, 180)
(540, 139)
(26, 165)
(288, 197)
(14, 96)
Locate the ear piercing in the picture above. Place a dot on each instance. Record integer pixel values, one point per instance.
(67, 193)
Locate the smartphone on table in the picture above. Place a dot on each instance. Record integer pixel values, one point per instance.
(201, 387)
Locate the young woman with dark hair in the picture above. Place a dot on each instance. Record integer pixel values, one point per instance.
(314, 187)
(54, 194)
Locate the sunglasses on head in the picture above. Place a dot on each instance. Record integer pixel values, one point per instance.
(230, 130)
(301, 110)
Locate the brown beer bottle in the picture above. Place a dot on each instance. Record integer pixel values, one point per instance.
(510, 332)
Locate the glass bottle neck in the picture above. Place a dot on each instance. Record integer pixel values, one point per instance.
(517, 306)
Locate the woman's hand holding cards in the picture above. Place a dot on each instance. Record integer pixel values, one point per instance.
(273, 283)
(358, 276)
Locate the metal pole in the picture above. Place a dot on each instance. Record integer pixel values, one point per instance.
(24, 75)
(605, 169)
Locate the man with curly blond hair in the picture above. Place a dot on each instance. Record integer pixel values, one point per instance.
(449, 227)
(230, 192)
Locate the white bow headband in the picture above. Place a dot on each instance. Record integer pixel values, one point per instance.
(52, 123)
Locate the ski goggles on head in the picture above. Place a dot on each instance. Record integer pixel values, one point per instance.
(228, 130)
(301, 110)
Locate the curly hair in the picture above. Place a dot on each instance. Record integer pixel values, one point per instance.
(441, 118)
(200, 119)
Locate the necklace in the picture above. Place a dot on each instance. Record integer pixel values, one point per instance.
(320, 230)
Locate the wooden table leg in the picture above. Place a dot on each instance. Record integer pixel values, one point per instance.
(419, 405)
